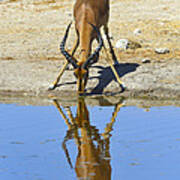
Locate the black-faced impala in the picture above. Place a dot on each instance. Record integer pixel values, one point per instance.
(89, 16)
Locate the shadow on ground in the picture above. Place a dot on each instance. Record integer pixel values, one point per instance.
(106, 76)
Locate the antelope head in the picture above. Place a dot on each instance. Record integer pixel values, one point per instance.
(81, 71)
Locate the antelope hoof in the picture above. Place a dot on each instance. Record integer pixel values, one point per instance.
(123, 87)
(51, 87)
(81, 94)
(116, 63)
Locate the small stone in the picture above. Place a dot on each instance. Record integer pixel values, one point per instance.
(146, 60)
(137, 31)
(122, 44)
(134, 45)
(162, 50)
(127, 44)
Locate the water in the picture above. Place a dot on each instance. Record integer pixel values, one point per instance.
(136, 144)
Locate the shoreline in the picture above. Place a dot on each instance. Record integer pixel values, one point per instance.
(140, 102)
(32, 78)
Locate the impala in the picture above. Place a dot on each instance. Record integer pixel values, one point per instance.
(89, 16)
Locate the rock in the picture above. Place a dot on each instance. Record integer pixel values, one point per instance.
(134, 45)
(127, 44)
(146, 60)
(137, 31)
(162, 50)
(122, 44)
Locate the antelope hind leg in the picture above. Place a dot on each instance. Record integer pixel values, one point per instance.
(106, 31)
(109, 126)
(114, 59)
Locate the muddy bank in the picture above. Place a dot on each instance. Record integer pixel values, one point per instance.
(30, 33)
(144, 103)
(32, 78)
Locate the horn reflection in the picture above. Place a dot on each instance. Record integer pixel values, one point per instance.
(93, 158)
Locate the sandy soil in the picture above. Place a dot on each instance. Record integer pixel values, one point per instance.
(30, 33)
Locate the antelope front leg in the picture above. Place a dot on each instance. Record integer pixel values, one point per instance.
(57, 105)
(54, 84)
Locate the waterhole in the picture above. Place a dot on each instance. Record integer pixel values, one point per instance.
(89, 142)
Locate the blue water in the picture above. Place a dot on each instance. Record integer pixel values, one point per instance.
(142, 146)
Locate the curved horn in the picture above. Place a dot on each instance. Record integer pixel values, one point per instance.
(64, 52)
(97, 50)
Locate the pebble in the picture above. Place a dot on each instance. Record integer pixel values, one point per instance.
(137, 31)
(162, 50)
(127, 44)
(146, 60)
(122, 44)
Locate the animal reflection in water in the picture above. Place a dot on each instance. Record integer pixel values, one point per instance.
(93, 159)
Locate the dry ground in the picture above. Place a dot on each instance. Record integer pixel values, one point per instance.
(33, 29)
(30, 33)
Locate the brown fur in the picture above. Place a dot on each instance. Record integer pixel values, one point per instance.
(89, 11)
